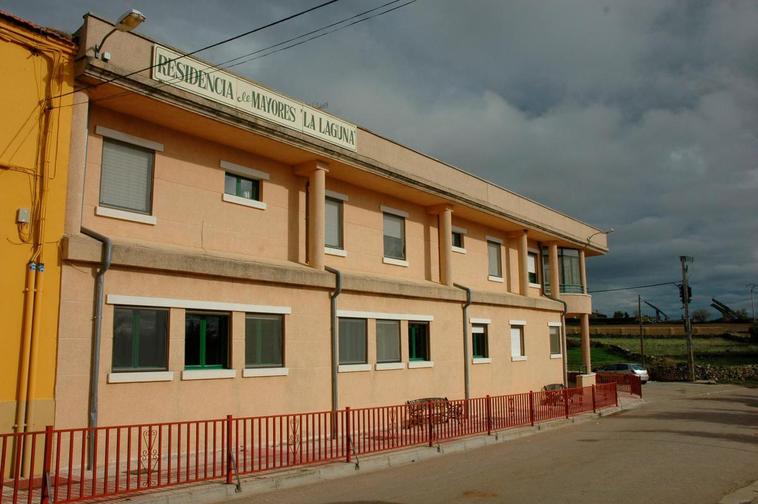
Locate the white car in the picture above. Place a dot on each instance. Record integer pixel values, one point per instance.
(628, 368)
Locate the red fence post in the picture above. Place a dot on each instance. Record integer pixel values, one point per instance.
(594, 406)
(489, 416)
(45, 494)
(531, 408)
(616, 392)
(430, 427)
(566, 401)
(348, 442)
(228, 447)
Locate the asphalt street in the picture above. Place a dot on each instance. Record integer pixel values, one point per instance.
(687, 444)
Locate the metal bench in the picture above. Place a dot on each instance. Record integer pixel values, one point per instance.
(440, 409)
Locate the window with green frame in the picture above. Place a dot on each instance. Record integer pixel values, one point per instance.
(264, 340)
(140, 337)
(418, 341)
(479, 345)
(206, 341)
(237, 185)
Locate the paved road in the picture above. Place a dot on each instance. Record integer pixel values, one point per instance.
(687, 444)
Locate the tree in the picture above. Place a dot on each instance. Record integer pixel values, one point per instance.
(700, 315)
(618, 314)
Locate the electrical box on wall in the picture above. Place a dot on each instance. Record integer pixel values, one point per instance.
(22, 216)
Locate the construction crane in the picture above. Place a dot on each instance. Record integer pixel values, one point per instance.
(727, 313)
(658, 312)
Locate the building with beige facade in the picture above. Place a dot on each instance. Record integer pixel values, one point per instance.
(248, 254)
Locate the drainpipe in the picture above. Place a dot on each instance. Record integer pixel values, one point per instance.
(466, 360)
(94, 374)
(335, 342)
(564, 347)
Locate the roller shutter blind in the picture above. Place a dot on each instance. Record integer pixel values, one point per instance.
(126, 180)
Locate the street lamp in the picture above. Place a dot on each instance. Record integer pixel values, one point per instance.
(606, 232)
(128, 21)
(752, 300)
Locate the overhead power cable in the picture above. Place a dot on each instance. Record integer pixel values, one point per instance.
(211, 46)
(634, 288)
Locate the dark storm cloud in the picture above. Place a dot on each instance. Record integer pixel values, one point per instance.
(638, 115)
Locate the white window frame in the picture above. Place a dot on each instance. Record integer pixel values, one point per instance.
(536, 267)
(341, 198)
(404, 215)
(247, 172)
(493, 239)
(522, 343)
(560, 338)
(463, 232)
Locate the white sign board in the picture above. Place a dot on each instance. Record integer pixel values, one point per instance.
(204, 80)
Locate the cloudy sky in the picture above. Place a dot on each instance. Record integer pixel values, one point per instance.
(641, 116)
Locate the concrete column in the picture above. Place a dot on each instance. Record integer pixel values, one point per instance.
(445, 227)
(316, 173)
(555, 274)
(523, 264)
(586, 358)
(582, 271)
(76, 163)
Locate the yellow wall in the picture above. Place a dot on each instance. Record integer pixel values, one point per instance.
(35, 66)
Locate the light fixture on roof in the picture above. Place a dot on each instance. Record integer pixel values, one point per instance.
(605, 232)
(128, 21)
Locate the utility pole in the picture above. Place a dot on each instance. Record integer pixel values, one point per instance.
(685, 293)
(752, 300)
(642, 339)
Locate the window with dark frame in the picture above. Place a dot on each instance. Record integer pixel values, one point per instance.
(394, 236)
(264, 340)
(387, 341)
(480, 345)
(494, 259)
(206, 341)
(352, 341)
(458, 239)
(532, 267)
(418, 341)
(126, 177)
(140, 339)
(555, 340)
(333, 222)
(237, 185)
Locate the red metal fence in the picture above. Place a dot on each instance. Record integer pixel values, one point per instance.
(69, 465)
(629, 383)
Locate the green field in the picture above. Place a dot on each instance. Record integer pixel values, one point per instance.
(711, 350)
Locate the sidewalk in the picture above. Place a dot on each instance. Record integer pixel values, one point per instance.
(212, 492)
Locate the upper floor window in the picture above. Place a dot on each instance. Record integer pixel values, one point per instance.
(140, 339)
(458, 239)
(242, 187)
(569, 272)
(532, 267)
(333, 236)
(394, 236)
(494, 259)
(126, 178)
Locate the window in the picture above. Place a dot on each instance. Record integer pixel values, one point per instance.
(493, 255)
(555, 340)
(418, 341)
(126, 177)
(333, 221)
(532, 267)
(140, 339)
(458, 239)
(264, 341)
(387, 341)
(480, 345)
(517, 341)
(352, 336)
(568, 271)
(236, 185)
(206, 341)
(394, 236)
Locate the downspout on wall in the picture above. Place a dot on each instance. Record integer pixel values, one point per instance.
(335, 336)
(94, 377)
(466, 360)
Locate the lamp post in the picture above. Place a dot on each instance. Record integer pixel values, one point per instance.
(752, 299)
(605, 232)
(128, 21)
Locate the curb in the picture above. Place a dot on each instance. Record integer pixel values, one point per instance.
(216, 491)
(747, 495)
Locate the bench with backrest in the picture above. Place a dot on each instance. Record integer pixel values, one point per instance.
(440, 409)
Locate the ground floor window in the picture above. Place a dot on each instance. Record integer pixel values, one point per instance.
(418, 341)
(264, 340)
(206, 341)
(352, 341)
(387, 341)
(555, 340)
(140, 337)
(480, 345)
(517, 341)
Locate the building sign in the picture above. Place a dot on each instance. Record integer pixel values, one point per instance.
(204, 80)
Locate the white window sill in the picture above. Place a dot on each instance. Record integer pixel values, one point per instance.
(556, 356)
(353, 368)
(256, 372)
(126, 215)
(420, 364)
(495, 279)
(141, 377)
(395, 262)
(385, 366)
(459, 250)
(537, 286)
(335, 252)
(518, 359)
(208, 374)
(229, 198)
(482, 360)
